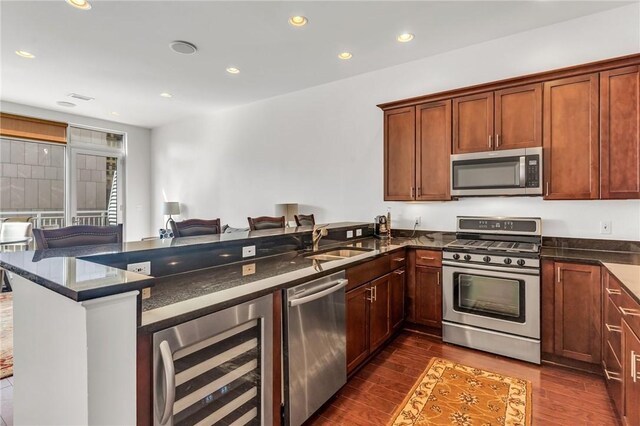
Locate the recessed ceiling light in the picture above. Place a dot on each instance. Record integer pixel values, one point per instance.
(183, 47)
(66, 104)
(345, 55)
(25, 54)
(405, 37)
(233, 70)
(80, 4)
(298, 21)
(115, 113)
(166, 95)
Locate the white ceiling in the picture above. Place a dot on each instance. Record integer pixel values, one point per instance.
(118, 52)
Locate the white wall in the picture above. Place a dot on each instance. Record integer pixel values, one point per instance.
(137, 165)
(322, 147)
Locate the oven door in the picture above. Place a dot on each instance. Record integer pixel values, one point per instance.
(493, 298)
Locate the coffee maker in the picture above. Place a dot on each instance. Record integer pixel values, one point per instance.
(381, 227)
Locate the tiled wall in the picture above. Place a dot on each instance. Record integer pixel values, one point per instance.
(92, 182)
(31, 176)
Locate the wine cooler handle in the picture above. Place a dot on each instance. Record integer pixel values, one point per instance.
(169, 381)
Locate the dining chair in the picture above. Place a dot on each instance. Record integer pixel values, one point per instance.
(304, 219)
(77, 235)
(15, 231)
(193, 227)
(265, 222)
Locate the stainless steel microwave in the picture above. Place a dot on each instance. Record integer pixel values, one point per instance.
(508, 172)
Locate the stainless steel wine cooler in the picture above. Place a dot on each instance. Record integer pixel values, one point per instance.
(216, 369)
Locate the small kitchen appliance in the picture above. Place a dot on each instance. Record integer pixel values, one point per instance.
(381, 227)
(491, 286)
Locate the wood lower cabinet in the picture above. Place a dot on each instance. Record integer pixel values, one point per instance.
(570, 138)
(396, 298)
(357, 326)
(399, 154)
(620, 133)
(612, 337)
(473, 123)
(631, 374)
(518, 117)
(433, 151)
(379, 312)
(429, 296)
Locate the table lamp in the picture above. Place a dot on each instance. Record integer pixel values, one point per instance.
(170, 208)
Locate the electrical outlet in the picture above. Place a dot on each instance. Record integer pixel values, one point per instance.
(418, 221)
(248, 251)
(248, 269)
(146, 293)
(350, 234)
(143, 268)
(605, 227)
(358, 232)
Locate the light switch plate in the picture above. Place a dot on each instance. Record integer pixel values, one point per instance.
(143, 268)
(248, 269)
(350, 234)
(248, 251)
(358, 232)
(605, 227)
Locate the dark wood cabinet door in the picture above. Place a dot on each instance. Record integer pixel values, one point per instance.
(379, 318)
(433, 151)
(547, 306)
(399, 154)
(357, 317)
(397, 290)
(620, 133)
(578, 312)
(631, 384)
(570, 138)
(473, 123)
(518, 118)
(428, 297)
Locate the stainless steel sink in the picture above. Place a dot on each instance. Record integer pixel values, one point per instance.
(338, 254)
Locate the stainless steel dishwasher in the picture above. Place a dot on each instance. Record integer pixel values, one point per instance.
(315, 351)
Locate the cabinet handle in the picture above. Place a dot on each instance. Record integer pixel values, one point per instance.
(497, 140)
(613, 291)
(547, 188)
(399, 272)
(613, 328)
(370, 298)
(490, 141)
(438, 277)
(612, 375)
(630, 312)
(412, 189)
(427, 258)
(399, 259)
(558, 274)
(634, 365)
(419, 191)
(375, 293)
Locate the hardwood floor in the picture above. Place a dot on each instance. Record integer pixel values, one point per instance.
(371, 396)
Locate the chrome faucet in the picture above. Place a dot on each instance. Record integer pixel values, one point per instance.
(318, 232)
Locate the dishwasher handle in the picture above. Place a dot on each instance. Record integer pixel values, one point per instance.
(169, 380)
(315, 296)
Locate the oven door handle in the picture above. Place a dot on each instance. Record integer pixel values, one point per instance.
(532, 272)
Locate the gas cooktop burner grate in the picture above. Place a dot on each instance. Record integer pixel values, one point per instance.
(507, 246)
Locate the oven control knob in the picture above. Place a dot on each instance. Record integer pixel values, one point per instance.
(486, 259)
(507, 260)
(521, 262)
(467, 257)
(456, 256)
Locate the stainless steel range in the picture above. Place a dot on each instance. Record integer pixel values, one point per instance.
(491, 286)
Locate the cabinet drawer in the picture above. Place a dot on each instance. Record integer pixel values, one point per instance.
(613, 376)
(612, 288)
(613, 328)
(429, 258)
(398, 259)
(630, 311)
(366, 272)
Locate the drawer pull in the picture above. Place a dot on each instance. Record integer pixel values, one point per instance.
(630, 312)
(399, 259)
(634, 366)
(612, 375)
(438, 278)
(370, 298)
(613, 328)
(613, 291)
(398, 272)
(427, 258)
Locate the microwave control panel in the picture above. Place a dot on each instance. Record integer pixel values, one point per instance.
(533, 171)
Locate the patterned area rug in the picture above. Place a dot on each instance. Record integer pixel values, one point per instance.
(6, 335)
(455, 394)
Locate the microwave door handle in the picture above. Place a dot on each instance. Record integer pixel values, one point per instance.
(523, 172)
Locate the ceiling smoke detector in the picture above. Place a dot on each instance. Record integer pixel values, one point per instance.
(80, 97)
(183, 47)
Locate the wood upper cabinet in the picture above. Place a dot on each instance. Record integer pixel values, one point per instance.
(433, 151)
(518, 117)
(473, 123)
(379, 317)
(357, 318)
(399, 154)
(631, 381)
(428, 296)
(396, 298)
(620, 133)
(577, 312)
(570, 138)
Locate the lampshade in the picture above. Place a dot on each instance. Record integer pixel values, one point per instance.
(171, 207)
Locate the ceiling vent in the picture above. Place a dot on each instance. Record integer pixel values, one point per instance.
(66, 104)
(80, 97)
(183, 47)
